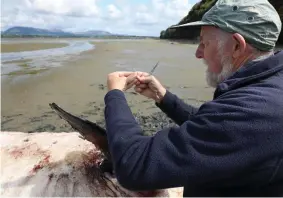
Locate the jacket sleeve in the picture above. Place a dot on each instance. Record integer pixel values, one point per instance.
(208, 147)
(176, 109)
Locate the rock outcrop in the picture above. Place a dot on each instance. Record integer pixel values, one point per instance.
(196, 13)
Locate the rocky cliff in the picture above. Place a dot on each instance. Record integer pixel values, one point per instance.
(196, 13)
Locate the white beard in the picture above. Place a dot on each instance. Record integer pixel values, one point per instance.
(214, 79)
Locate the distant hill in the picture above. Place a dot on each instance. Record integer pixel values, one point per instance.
(94, 33)
(20, 31)
(30, 31)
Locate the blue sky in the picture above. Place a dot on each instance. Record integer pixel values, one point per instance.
(139, 17)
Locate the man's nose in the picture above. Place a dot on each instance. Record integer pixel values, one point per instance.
(199, 52)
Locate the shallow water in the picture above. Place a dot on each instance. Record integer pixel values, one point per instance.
(42, 58)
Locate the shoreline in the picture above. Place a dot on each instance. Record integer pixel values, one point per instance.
(19, 47)
(79, 86)
(44, 56)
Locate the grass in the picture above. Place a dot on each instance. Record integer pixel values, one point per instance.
(24, 65)
(26, 72)
(18, 47)
(17, 61)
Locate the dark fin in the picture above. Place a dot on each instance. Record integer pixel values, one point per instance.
(89, 130)
(76, 122)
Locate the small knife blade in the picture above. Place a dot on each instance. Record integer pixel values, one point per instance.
(151, 72)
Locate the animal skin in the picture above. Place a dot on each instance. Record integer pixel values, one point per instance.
(46, 164)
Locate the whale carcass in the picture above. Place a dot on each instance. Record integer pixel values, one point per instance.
(50, 164)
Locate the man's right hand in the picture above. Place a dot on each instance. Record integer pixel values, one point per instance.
(150, 87)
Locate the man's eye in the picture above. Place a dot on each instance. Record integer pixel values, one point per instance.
(205, 44)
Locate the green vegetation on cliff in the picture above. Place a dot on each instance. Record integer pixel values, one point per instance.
(196, 13)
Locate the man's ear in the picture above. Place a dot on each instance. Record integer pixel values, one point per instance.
(239, 45)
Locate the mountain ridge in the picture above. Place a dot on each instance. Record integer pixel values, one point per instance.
(32, 31)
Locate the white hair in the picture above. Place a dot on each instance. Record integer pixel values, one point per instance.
(214, 79)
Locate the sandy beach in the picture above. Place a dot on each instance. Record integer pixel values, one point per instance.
(79, 84)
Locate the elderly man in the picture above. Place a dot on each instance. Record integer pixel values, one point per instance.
(230, 146)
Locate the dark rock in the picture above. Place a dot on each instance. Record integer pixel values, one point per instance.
(9, 129)
(35, 119)
(66, 128)
(49, 112)
(91, 103)
(47, 127)
(6, 121)
(153, 123)
(83, 116)
(90, 112)
(46, 116)
(12, 116)
(150, 124)
(101, 86)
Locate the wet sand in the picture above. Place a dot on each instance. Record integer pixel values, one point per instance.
(18, 47)
(80, 85)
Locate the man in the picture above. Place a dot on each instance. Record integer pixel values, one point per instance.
(230, 146)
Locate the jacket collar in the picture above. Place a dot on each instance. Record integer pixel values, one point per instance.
(251, 71)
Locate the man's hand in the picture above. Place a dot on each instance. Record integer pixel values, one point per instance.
(121, 80)
(147, 85)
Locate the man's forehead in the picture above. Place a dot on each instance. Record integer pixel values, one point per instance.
(208, 31)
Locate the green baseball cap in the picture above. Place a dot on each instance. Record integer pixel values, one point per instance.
(256, 20)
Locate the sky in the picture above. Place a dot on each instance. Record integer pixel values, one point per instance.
(133, 17)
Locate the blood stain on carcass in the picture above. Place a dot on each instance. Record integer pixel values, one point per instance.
(42, 163)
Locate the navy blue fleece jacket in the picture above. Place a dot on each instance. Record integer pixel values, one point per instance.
(230, 146)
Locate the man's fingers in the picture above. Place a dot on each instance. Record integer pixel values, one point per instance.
(145, 79)
(131, 78)
(142, 86)
(131, 84)
(126, 74)
(139, 90)
(141, 74)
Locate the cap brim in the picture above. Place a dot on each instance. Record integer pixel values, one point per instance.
(196, 23)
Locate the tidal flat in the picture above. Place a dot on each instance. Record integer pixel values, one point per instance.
(18, 47)
(77, 82)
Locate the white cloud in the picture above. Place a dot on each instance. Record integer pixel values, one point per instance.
(118, 16)
(173, 9)
(145, 18)
(142, 8)
(114, 12)
(80, 8)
